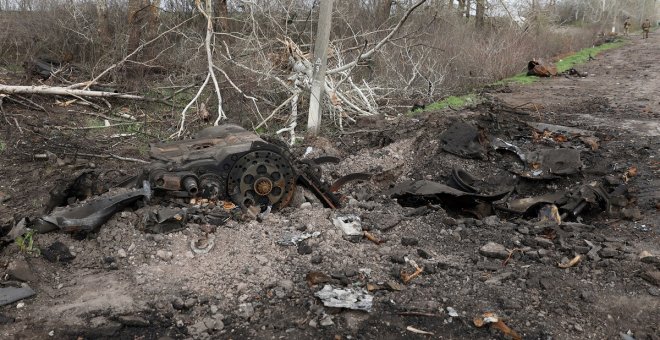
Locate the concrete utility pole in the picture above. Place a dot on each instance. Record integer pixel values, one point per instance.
(319, 65)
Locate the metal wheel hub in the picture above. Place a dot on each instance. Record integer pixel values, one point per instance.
(263, 178)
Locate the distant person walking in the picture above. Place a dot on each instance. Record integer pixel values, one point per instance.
(626, 26)
(646, 27)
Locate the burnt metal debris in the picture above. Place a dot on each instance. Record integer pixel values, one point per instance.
(464, 193)
(464, 140)
(226, 163)
(541, 68)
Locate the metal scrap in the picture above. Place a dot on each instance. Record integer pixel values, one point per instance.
(350, 225)
(418, 193)
(524, 205)
(549, 213)
(552, 163)
(93, 213)
(560, 129)
(541, 68)
(165, 220)
(220, 164)
(464, 140)
(203, 245)
(499, 144)
(292, 239)
(351, 298)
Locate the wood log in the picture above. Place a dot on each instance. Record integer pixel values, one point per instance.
(63, 91)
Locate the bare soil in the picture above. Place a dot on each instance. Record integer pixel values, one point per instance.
(124, 283)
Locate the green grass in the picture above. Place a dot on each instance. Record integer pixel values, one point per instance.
(3, 146)
(26, 244)
(454, 102)
(520, 78)
(564, 64)
(94, 122)
(582, 56)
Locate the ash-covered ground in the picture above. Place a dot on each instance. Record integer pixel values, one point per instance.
(125, 283)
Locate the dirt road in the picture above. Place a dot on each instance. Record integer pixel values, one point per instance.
(124, 283)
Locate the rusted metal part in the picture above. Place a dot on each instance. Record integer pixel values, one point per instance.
(320, 190)
(540, 68)
(358, 176)
(224, 163)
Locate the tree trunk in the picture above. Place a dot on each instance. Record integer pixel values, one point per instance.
(461, 7)
(383, 10)
(221, 14)
(136, 18)
(102, 17)
(143, 22)
(318, 72)
(153, 17)
(467, 9)
(479, 16)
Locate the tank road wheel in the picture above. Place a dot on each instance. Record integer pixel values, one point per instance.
(263, 178)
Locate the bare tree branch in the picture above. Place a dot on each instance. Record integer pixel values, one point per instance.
(367, 54)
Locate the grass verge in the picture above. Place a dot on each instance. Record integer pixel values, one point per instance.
(582, 56)
(451, 101)
(564, 64)
(577, 58)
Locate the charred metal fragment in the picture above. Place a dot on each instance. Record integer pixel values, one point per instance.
(552, 163)
(499, 144)
(91, 214)
(165, 220)
(418, 193)
(464, 140)
(358, 176)
(79, 187)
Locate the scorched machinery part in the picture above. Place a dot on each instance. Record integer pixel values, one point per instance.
(223, 162)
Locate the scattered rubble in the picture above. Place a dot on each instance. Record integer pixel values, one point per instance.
(355, 298)
(468, 218)
(11, 294)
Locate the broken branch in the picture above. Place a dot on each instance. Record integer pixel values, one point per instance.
(64, 91)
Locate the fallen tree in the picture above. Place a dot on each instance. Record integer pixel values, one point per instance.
(63, 91)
